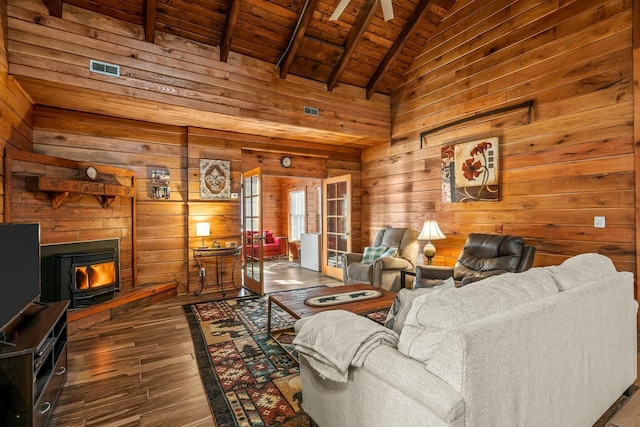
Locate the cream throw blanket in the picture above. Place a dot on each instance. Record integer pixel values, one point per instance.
(336, 339)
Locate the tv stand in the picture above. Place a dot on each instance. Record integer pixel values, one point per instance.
(33, 367)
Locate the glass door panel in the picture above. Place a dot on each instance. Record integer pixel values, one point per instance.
(336, 237)
(253, 236)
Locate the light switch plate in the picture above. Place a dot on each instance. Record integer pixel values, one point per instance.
(598, 222)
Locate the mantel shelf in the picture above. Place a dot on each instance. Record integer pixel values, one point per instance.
(59, 189)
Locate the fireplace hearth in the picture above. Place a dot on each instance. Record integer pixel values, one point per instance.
(85, 273)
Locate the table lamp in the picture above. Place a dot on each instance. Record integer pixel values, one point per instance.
(202, 230)
(430, 231)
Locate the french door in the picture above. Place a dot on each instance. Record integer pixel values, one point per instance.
(253, 237)
(336, 224)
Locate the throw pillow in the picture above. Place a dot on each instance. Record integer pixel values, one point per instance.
(389, 253)
(404, 298)
(372, 253)
(268, 237)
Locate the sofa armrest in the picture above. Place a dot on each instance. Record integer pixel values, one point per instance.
(350, 257)
(411, 378)
(392, 263)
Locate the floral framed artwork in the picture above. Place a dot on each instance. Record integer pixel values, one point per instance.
(470, 171)
(215, 179)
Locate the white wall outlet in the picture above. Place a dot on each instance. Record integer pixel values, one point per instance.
(234, 195)
(203, 272)
(598, 222)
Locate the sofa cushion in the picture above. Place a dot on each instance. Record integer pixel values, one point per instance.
(377, 241)
(432, 315)
(389, 253)
(392, 237)
(402, 303)
(268, 237)
(372, 253)
(583, 268)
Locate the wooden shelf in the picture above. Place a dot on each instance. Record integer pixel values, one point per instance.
(59, 189)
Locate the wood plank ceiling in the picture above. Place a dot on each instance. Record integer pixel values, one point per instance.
(358, 49)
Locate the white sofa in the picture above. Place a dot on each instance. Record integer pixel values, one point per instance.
(553, 346)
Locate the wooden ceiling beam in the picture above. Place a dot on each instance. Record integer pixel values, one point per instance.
(233, 9)
(54, 7)
(362, 22)
(150, 21)
(296, 39)
(417, 16)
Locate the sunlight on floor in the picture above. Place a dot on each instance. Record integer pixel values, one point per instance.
(288, 282)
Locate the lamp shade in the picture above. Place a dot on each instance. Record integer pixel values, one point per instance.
(202, 229)
(431, 231)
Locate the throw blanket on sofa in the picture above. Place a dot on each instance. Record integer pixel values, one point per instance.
(336, 339)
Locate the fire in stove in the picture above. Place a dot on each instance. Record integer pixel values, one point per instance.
(95, 275)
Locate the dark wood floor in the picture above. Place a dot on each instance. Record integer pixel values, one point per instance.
(139, 369)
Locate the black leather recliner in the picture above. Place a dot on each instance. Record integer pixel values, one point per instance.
(483, 255)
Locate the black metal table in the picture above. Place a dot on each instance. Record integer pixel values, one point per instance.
(219, 254)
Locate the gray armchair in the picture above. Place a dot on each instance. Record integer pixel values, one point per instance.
(483, 255)
(383, 272)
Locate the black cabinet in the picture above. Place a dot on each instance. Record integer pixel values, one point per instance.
(33, 367)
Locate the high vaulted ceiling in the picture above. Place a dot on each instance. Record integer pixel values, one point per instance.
(358, 49)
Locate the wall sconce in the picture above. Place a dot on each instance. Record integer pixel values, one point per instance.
(430, 231)
(202, 230)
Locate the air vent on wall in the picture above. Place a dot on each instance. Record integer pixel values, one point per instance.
(311, 111)
(104, 68)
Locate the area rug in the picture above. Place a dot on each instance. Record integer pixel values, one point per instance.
(280, 265)
(249, 378)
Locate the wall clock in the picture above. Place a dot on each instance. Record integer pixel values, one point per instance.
(285, 162)
(91, 172)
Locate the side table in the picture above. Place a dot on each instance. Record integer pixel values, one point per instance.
(219, 254)
(284, 246)
(403, 276)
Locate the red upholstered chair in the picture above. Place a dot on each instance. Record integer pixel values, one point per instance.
(271, 245)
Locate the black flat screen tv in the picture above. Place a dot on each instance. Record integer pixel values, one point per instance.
(19, 269)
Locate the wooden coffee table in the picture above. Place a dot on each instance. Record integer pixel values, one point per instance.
(293, 302)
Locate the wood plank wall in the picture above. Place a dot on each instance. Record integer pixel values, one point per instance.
(166, 228)
(184, 77)
(174, 77)
(16, 126)
(573, 161)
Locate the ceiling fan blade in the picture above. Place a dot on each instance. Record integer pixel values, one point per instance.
(387, 9)
(339, 9)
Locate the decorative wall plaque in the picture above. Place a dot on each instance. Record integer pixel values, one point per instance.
(215, 179)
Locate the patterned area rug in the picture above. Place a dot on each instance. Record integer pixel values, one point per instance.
(249, 379)
(271, 266)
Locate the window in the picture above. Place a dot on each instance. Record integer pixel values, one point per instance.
(296, 215)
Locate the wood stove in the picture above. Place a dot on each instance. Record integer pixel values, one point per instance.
(85, 278)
